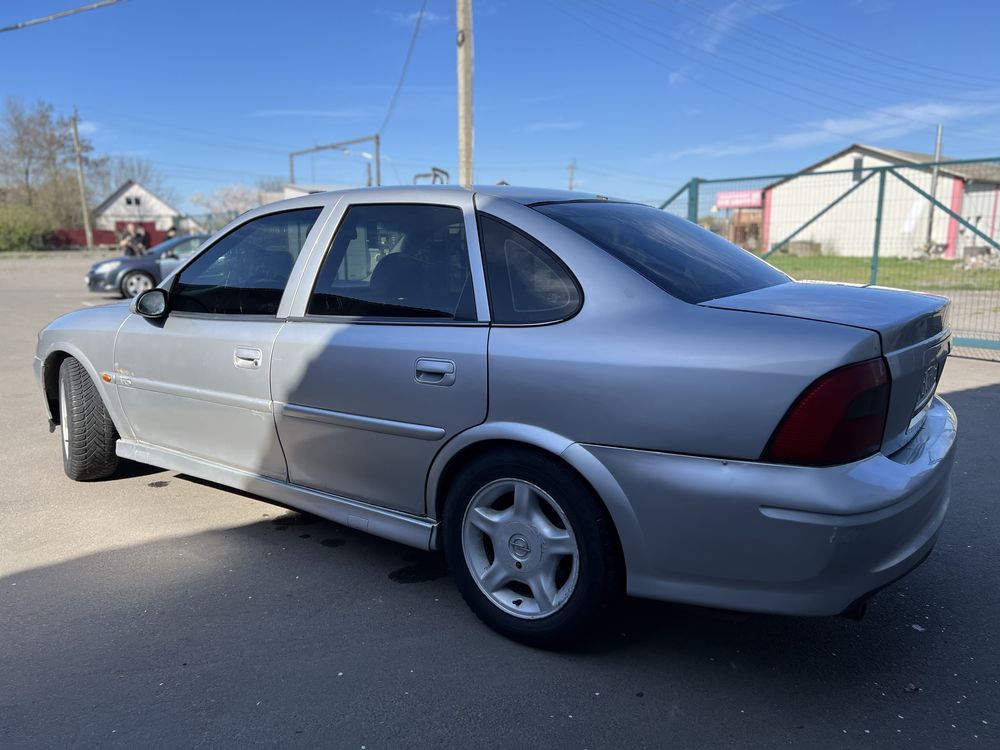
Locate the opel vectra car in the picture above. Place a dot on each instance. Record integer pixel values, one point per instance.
(131, 275)
(572, 396)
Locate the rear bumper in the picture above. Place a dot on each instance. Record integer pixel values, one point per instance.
(781, 539)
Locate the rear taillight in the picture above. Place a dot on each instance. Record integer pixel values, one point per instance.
(838, 419)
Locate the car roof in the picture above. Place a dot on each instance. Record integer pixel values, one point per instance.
(524, 195)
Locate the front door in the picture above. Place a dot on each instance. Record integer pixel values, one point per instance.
(198, 382)
(387, 358)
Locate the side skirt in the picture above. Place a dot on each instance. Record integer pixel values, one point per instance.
(414, 531)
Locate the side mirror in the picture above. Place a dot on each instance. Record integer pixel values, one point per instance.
(170, 254)
(151, 304)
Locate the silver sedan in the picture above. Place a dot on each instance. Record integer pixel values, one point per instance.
(573, 397)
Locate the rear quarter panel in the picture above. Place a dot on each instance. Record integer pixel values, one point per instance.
(637, 368)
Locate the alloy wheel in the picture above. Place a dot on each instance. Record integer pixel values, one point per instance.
(520, 548)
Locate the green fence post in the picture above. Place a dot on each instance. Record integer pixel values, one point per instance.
(878, 227)
(693, 187)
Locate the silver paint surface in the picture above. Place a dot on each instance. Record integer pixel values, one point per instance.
(663, 407)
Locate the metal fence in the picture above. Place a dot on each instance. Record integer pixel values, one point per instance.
(931, 227)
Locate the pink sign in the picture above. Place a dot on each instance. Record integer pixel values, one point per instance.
(737, 199)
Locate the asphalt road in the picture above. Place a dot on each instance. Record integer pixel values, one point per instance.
(155, 610)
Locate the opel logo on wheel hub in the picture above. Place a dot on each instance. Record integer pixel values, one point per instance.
(519, 546)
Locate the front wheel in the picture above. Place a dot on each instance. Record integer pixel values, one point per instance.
(532, 549)
(135, 283)
(88, 434)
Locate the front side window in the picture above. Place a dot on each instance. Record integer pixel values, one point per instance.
(681, 258)
(397, 261)
(245, 272)
(527, 283)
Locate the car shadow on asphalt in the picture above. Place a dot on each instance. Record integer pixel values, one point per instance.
(215, 599)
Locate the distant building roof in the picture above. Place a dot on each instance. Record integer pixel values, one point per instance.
(978, 172)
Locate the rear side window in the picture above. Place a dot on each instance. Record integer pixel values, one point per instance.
(397, 261)
(245, 272)
(681, 258)
(527, 283)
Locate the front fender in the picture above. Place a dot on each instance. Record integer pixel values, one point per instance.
(89, 337)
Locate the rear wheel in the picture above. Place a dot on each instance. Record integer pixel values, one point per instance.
(135, 283)
(88, 434)
(532, 549)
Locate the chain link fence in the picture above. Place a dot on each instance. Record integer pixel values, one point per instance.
(930, 227)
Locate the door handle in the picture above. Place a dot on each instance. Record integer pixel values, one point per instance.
(435, 371)
(247, 357)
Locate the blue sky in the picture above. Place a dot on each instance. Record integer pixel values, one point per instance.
(643, 94)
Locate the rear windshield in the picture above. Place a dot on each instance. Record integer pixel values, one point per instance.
(681, 258)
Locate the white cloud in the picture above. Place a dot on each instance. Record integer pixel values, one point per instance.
(535, 127)
(881, 124)
(726, 19)
(87, 127)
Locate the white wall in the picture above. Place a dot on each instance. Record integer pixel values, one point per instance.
(150, 208)
(849, 228)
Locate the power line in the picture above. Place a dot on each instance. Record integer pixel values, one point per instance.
(882, 57)
(800, 55)
(406, 65)
(60, 14)
(616, 19)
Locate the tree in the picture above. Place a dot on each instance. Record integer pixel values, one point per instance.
(108, 173)
(36, 161)
(231, 200)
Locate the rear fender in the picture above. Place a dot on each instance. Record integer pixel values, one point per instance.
(579, 459)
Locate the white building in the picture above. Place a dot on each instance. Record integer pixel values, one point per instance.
(970, 190)
(133, 203)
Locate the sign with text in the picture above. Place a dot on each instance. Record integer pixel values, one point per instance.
(737, 199)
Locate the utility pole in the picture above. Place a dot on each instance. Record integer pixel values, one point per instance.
(341, 146)
(934, 182)
(572, 171)
(463, 18)
(83, 188)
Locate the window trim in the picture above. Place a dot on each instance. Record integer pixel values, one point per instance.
(376, 320)
(559, 262)
(210, 243)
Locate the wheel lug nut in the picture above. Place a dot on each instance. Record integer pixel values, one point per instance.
(518, 565)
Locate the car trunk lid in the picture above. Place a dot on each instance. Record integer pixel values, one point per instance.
(912, 328)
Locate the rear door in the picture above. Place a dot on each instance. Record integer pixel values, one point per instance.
(198, 381)
(383, 358)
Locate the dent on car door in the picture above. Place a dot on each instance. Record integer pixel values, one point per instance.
(197, 382)
(388, 360)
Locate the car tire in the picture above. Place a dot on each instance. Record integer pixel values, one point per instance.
(532, 549)
(135, 283)
(88, 434)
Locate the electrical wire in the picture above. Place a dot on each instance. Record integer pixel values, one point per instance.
(883, 57)
(613, 17)
(801, 56)
(406, 65)
(57, 16)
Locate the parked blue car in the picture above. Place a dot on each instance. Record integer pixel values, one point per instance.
(131, 275)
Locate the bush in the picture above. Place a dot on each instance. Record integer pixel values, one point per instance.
(21, 228)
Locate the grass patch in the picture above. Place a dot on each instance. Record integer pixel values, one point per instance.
(923, 275)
